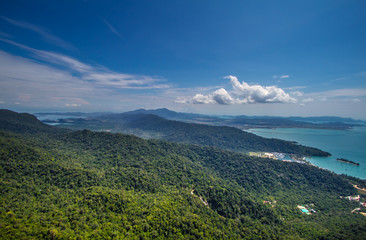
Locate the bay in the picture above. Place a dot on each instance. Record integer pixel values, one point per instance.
(348, 144)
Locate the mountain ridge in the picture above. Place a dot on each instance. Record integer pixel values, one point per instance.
(240, 121)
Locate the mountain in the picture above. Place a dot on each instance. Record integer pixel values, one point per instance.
(328, 119)
(246, 122)
(166, 113)
(152, 126)
(241, 121)
(218, 136)
(98, 185)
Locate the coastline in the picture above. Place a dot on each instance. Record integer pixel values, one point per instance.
(346, 143)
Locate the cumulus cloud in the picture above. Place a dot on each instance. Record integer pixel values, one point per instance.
(242, 93)
(200, 99)
(221, 96)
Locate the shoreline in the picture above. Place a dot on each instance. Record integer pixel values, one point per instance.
(347, 144)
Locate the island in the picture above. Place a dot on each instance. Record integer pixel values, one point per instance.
(347, 161)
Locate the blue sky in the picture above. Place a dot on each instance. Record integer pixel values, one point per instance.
(283, 58)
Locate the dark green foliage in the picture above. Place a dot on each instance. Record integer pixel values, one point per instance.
(89, 185)
(223, 137)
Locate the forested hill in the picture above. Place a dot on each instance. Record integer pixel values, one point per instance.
(24, 123)
(97, 185)
(218, 136)
(151, 126)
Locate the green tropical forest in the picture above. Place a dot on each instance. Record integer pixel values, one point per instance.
(59, 183)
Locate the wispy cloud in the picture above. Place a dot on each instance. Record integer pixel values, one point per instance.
(308, 100)
(295, 88)
(97, 75)
(339, 93)
(44, 33)
(24, 80)
(242, 93)
(3, 34)
(297, 93)
(281, 76)
(61, 80)
(348, 94)
(112, 29)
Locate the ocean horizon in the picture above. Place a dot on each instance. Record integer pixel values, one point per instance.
(348, 144)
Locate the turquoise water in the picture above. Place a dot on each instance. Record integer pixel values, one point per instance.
(348, 144)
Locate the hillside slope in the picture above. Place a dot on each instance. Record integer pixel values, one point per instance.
(86, 184)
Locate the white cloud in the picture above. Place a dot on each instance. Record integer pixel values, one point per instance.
(27, 81)
(63, 60)
(76, 100)
(308, 100)
(330, 100)
(72, 105)
(297, 93)
(242, 93)
(221, 96)
(44, 33)
(97, 74)
(281, 76)
(202, 99)
(61, 81)
(348, 94)
(295, 88)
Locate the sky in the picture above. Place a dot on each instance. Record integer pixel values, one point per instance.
(275, 58)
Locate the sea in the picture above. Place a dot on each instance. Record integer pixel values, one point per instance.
(348, 144)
